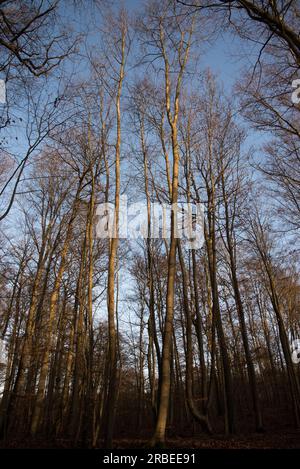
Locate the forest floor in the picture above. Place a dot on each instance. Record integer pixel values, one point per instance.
(290, 439)
(259, 441)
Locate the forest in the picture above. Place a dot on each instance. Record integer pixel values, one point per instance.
(173, 321)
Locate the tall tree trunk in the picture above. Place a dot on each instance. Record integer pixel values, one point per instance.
(112, 351)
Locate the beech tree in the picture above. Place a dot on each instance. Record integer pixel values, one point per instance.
(153, 339)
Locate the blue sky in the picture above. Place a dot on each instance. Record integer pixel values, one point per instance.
(226, 57)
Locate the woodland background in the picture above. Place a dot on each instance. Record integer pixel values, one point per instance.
(145, 342)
